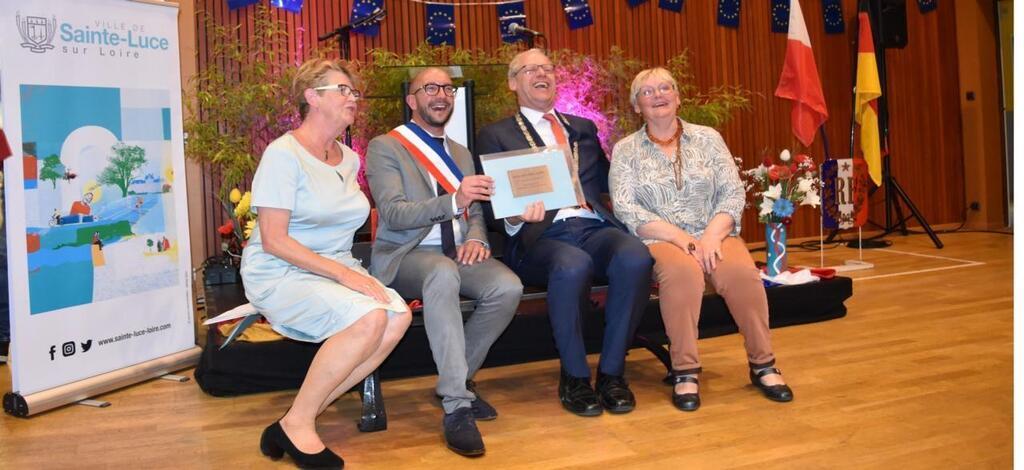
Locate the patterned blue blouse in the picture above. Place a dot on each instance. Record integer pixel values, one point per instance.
(643, 182)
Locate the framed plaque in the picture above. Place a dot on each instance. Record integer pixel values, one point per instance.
(524, 176)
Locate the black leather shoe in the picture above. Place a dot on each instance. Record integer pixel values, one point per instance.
(684, 401)
(614, 394)
(781, 393)
(482, 410)
(577, 396)
(275, 443)
(461, 434)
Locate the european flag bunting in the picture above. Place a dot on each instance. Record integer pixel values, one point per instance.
(362, 9)
(235, 4)
(780, 16)
(441, 24)
(577, 12)
(729, 13)
(509, 14)
(294, 6)
(833, 12)
(927, 5)
(634, 3)
(671, 5)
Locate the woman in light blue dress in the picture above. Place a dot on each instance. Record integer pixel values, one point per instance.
(298, 268)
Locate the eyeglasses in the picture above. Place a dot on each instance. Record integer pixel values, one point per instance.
(432, 89)
(345, 90)
(663, 89)
(530, 70)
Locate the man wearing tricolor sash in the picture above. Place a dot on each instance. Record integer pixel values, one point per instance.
(431, 244)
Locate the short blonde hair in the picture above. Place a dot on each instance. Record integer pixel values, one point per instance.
(312, 74)
(517, 61)
(644, 75)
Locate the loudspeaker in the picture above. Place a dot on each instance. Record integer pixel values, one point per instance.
(892, 22)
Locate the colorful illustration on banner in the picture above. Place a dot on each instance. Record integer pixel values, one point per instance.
(98, 194)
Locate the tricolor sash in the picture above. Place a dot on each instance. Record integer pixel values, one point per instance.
(430, 154)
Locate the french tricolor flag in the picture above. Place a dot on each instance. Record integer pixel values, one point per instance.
(799, 81)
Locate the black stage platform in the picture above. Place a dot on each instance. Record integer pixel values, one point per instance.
(256, 367)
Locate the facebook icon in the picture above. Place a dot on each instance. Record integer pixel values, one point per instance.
(53, 351)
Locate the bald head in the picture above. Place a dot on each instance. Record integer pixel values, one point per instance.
(430, 75)
(431, 111)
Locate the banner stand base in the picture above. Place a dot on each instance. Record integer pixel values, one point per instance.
(174, 378)
(852, 265)
(24, 406)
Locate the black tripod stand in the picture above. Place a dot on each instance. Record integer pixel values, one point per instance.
(894, 193)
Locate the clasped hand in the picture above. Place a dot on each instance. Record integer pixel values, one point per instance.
(706, 250)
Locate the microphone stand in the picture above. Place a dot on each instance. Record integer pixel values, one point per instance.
(344, 35)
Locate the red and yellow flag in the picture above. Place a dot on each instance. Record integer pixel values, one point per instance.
(868, 90)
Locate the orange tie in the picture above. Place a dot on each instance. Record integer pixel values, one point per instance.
(556, 129)
(560, 139)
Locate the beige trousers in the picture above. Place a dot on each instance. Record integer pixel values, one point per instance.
(681, 290)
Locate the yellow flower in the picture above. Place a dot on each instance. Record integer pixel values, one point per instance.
(235, 196)
(249, 226)
(243, 205)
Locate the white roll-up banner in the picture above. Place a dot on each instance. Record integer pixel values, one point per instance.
(97, 223)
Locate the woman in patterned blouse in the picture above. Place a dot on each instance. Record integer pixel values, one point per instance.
(675, 185)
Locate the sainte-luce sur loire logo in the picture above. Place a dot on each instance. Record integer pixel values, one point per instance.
(36, 32)
(104, 37)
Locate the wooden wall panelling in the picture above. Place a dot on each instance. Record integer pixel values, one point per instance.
(923, 89)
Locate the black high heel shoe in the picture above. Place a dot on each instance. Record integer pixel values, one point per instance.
(275, 443)
(684, 401)
(780, 393)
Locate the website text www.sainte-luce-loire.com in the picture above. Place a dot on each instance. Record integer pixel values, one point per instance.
(134, 334)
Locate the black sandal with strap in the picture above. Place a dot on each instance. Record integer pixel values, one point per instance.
(780, 393)
(684, 401)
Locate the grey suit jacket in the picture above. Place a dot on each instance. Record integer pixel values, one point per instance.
(406, 205)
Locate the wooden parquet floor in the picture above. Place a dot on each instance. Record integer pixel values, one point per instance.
(918, 375)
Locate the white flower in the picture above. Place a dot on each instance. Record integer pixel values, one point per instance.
(766, 207)
(774, 191)
(811, 199)
(805, 185)
(784, 155)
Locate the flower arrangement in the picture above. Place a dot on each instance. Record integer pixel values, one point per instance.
(778, 188)
(242, 220)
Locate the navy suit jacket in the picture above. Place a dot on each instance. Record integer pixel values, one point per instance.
(505, 135)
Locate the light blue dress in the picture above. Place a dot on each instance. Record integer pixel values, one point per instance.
(327, 207)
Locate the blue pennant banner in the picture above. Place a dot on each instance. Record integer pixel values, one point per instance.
(780, 16)
(577, 12)
(833, 13)
(927, 5)
(235, 4)
(634, 3)
(363, 9)
(294, 6)
(729, 13)
(671, 5)
(441, 24)
(509, 14)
